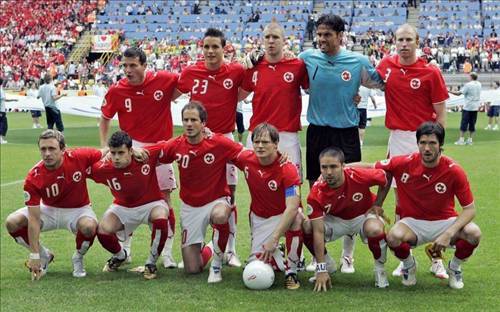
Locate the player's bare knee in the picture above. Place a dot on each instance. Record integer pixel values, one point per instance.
(15, 221)
(87, 226)
(393, 239)
(220, 215)
(297, 222)
(373, 228)
(307, 227)
(472, 233)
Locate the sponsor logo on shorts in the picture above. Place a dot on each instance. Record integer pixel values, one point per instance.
(77, 176)
(346, 75)
(27, 196)
(158, 95)
(415, 83)
(209, 158)
(228, 83)
(273, 186)
(440, 187)
(357, 196)
(145, 169)
(288, 77)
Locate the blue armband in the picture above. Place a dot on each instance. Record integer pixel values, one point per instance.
(292, 191)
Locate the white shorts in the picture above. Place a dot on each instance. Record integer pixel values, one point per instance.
(290, 144)
(401, 143)
(336, 227)
(231, 170)
(164, 173)
(60, 218)
(427, 231)
(195, 220)
(131, 218)
(262, 229)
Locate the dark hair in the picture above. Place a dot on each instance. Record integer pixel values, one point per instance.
(136, 53)
(473, 75)
(47, 78)
(334, 22)
(202, 112)
(53, 134)
(333, 152)
(497, 83)
(212, 32)
(120, 138)
(264, 127)
(430, 127)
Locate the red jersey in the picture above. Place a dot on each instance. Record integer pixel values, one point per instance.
(267, 184)
(202, 167)
(410, 92)
(144, 110)
(428, 193)
(64, 187)
(134, 185)
(277, 99)
(350, 200)
(217, 90)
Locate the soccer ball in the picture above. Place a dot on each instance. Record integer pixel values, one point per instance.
(258, 275)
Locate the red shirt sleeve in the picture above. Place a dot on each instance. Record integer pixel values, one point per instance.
(304, 83)
(167, 153)
(185, 83)
(372, 176)
(108, 107)
(439, 92)
(248, 84)
(290, 175)
(462, 187)
(32, 194)
(314, 209)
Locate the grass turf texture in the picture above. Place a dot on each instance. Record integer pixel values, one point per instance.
(173, 290)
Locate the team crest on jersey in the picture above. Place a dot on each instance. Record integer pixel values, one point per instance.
(27, 196)
(440, 187)
(228, 83)
(288, 77)
(158, 95)
(209, 158)
(357, 196)
(145, 169)
(273, 186)
(77, 176)
(415, 83)
(346, 75)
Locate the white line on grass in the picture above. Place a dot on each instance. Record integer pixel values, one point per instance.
(11, 183)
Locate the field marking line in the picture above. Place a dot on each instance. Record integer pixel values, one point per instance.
(11, 183)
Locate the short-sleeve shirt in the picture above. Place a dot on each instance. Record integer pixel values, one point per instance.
(134, 185)
(428, 193)
(277, 98)
(217, 90)
(472, 95)
(47, 93)
(350, 200)
(267, 184)
(411, 92)
(202, 167)
(143, 110)
(64, 187)
(333, 83)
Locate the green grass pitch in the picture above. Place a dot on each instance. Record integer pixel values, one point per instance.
(175, 291)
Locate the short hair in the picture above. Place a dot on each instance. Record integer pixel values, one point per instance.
(429, 128)
(202, 112)
(53, 134)
(276, 25)
(497, 83)
(120, 138)
(411, 27)
(47, 78)
(213, 32)
(264, 127)
(136, 53)
(334, 22)
(333, 152)
(473, 75)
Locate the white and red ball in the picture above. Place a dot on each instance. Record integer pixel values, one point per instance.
(258, 275)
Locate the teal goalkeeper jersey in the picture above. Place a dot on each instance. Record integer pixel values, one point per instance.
(333, 83)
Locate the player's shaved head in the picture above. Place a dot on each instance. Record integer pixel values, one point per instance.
(430, 128)
(333, 152)
(263, 128)
(53, 134)
(407, 27)
(275, 26)
(120, 138)
(202, 112)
